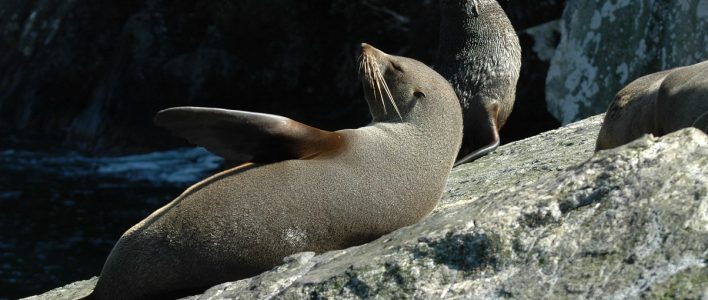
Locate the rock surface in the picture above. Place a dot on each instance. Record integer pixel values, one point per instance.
(76, 290)
(538, 218)
(606, 44)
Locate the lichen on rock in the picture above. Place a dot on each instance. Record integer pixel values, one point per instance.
(606, 44)
(544, 217)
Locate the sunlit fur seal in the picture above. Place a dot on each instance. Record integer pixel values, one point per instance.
(308, 189)
(480, 55)
(658, 103)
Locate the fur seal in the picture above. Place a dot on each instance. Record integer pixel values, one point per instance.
(657, 103)
(479, 53)
(305, 190)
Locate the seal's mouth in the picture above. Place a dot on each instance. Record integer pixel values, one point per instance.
(373, 79)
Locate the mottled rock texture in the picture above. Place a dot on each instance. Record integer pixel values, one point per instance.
(606, 44)
(72, 291)
(538, 218)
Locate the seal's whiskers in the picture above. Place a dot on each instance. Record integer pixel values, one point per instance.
(378, 87)
(388, 92)
(367, 71)
(377, 82)
(371, 72)
(360, 59)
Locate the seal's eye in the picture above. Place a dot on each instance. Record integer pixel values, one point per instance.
(419, 94)
(396, 66)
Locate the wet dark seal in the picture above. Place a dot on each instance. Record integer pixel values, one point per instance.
(481, 57)
(306, 189)
(658, 103)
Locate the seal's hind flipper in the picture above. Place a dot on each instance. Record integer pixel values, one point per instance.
(242, 136)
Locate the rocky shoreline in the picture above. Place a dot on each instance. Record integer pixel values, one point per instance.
(542, 217)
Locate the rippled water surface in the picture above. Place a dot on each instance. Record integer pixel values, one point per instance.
(61, 213)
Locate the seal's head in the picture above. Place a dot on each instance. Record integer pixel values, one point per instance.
(394, 85)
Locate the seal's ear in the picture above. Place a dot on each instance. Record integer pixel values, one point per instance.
(242, 136)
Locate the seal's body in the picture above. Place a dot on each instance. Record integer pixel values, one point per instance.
(657, 103)
(309, 190)
(481, 57)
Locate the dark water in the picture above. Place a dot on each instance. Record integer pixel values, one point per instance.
(61, 213)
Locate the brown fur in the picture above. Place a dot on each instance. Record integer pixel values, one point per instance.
(481, 57)
(246, 220)
(657, 104)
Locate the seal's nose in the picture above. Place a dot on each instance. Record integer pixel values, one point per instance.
(366, 48)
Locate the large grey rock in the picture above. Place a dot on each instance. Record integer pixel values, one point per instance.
(76, 290)
(538, 218)
(605, 44)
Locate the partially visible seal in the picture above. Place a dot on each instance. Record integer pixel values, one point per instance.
(309, 189)
(481, 57)
(657, 103)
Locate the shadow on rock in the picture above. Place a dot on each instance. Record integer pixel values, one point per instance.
(464, 252)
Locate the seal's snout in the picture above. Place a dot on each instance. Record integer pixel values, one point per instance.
(359, 51)
(367, 49)
(367, 56)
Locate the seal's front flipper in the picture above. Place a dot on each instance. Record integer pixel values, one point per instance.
(486, 132)
(243, 136)
(479, 152)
